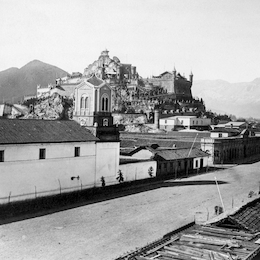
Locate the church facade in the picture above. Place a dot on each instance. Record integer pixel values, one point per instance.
(93, 107)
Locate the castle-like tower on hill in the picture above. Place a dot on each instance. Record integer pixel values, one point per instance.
(174, 83)
(128, 92)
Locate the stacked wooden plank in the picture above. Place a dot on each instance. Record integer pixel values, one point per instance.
(204, 243)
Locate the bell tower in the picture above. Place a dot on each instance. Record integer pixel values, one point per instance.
(93, 106)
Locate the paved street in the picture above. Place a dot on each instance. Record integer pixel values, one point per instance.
(108, 229)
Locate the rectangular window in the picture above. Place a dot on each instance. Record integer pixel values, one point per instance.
(42, 154)
(77, 152)
(196, 164)
(2, 159)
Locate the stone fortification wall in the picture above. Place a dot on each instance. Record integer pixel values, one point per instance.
(126, 119)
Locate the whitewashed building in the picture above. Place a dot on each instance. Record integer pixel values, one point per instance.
(188, 122)
(42, 157)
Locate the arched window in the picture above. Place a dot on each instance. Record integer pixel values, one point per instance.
(105, 122)
(104, 103)
(82, 102)
(86, 102)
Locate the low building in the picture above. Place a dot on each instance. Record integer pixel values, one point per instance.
(187, 122)
(66, 86)
(224, 132)
(46, 157)
(231, 124)
(225, 148)
(44, 91)
(172, 161)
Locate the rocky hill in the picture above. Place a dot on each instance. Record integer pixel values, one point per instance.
(16, 83)
(54, 107)
(240, 99)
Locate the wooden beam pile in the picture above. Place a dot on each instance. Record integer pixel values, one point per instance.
(204, 243)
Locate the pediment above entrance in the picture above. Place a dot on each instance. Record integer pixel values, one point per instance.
(84, 86)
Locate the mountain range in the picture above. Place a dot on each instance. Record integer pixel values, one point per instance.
(16, 83)
(239, 99)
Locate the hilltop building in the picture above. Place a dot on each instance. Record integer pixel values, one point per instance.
(130, 93)
(174, 83)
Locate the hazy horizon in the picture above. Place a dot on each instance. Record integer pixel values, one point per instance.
(214, 39)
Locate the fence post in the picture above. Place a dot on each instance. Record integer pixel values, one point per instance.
(59, 185)
(9, 197)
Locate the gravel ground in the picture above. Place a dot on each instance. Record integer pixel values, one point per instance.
(108, 229)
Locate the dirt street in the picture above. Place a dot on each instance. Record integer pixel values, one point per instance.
(108, 229)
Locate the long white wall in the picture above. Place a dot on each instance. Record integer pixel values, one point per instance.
(137, 171)
(107, 162)
(23, 175)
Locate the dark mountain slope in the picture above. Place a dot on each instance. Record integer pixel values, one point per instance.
(16, 83)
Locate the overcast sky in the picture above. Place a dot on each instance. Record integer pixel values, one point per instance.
(216, 39)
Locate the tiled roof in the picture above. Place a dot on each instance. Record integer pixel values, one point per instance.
(225, 130)
(95, 81)
(147, 142)
(168, 154)
(175, 154)
(15, 131)
(247, 217)
(124, 160)
(229, 124)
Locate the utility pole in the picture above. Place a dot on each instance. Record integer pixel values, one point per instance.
(192, 144)
(220, 195)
